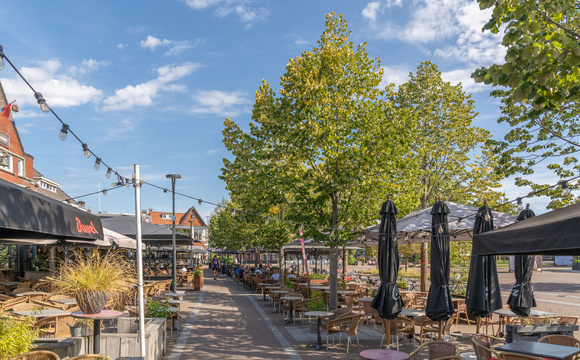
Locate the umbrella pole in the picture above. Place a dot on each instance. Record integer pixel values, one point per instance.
(440, 330)
(388, 333)
(478, 325)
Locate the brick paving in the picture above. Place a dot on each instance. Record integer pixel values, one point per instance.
(224, 321)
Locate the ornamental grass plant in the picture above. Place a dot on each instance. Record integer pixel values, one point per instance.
(111, 274)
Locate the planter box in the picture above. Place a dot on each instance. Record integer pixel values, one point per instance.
(125, 343)
(534, 332)
(197, 282)
(64, 348)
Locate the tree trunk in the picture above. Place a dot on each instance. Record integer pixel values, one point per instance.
(281, 263)
(333, 258)
(344, 262)
(424, 270)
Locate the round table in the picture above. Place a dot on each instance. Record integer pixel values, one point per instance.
(291, 299)
(278, 292)
(103, 315)
(383, 354)
(319, 315)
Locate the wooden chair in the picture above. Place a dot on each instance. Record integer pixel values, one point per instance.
(19, 290)
(26, 307)
(461, 308)
(86, 357)
(338, 313)
(482, 345)
(430, 326)
(515, 356)
(436, 350)
(348, 325)
(367, 311)
(48, 305)
(189, 279)
(37, 355)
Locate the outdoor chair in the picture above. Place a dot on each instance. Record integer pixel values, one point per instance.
(37, 355)
(55, 326)
(86, 357)
(430, 326)
(4, 290)
(190, 277)
(19, 290)
(564, 340)
(9, 304)
(5, 297)
(26, 307)
(367, 311)
(461, 308)
(401, 325)
(482, 345)
(347, 325)
(286, 304)
(515, 356)
(436, 350)
(48, 305)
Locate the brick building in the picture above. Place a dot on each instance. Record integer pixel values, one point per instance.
(190, 220)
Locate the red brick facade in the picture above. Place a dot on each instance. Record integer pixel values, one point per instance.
(184, 219)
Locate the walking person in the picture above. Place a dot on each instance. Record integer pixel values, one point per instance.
(216, 266)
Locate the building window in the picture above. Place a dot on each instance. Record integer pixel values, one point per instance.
(167, 216)
(6, 158)
(47, 186)
(20, 167)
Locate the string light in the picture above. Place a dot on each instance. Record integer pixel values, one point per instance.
(565, 188)
(520, 206)
(97, 165)
(63, 132)
(108, 174)
(43, 105)
(86, 151)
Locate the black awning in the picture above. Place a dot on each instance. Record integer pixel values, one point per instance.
(151, 234)
(27, 214)
(553, 233)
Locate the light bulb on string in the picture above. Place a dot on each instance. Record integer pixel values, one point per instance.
(440, 229)
(199, 201)
(520, 205)
(105, 192)
(565, 188)
(63, 132)
(458, 223)
(108, 174)
(127, 183)
(97, 165)
(86, 151)
(487, 217)
(43, 105)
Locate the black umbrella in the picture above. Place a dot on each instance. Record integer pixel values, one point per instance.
(387, 301)
(439, 304)
(521, 298)
(483, 292)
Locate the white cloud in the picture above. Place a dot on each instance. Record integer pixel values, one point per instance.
(59, 89)
(122, 46)
(394, 75)
(463, 76)
(152, 42)
(243, 9)
(211, 152)
(121, 128)
(220, 102)
(433, 23)
(87, 66)
(300, 42)
(144, 94)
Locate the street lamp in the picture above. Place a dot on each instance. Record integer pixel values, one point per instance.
(173, 177)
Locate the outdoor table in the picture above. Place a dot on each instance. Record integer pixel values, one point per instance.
(503, 313)
(65, 301)
(551, 351)
(291, 299)
(31, 293)
(42, 313)
(175, 294)
(320, 287)
(264, 286)
(176, 302)
(412, 313)
(278, 292)
(97, 318)
(319, 315)
(270, 288)
(383, 354)
(9, 283)
(366, 298)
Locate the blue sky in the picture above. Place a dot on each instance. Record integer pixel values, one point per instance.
(151, 82)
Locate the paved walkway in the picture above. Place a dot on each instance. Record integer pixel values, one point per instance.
(225, 321)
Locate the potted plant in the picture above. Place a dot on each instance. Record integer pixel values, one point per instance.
(81, 327)
(16, 336)
(197, 280)
(93, 279)
(158, 309)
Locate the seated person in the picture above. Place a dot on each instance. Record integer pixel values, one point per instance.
(258, 272)
(183, 270)
(275, 275)
(240, 272)
(291, 275)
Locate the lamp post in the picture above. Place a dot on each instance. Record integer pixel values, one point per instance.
(173, 177)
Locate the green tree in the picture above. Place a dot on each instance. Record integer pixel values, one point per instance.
(318, 148)
(543, 51)
(540, 90)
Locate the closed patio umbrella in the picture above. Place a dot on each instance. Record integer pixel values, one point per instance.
(439, 305)
(387, 301)
(521, 298)
(483, 292)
